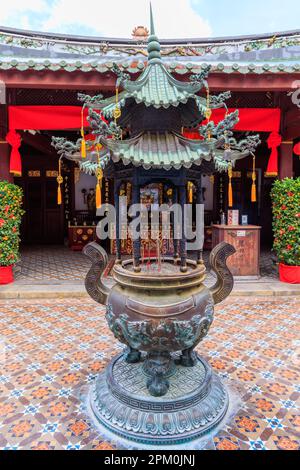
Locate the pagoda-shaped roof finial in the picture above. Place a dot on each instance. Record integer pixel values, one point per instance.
(153, 42)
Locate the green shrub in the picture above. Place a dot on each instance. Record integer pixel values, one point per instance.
(286, 220)
(10, 219)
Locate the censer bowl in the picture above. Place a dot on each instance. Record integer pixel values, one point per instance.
(159, 310)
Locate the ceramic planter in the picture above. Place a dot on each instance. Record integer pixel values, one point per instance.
(289, 274)
(6, 274)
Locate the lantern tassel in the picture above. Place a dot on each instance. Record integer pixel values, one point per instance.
(83, 142)
(59, 180)
(59, 195)
(98, 195)
(190, 192)
(253, 188)
(99, 176)
(83, 148)
(230, 195)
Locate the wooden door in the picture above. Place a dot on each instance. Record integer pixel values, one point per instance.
(43, 222)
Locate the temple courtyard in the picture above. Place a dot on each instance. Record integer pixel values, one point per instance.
(46, 271)
(52, 351)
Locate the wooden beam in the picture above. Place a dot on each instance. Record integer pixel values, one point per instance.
(58, 80)
(252, 82)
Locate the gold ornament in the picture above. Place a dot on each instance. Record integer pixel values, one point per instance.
(99, 176)
(208, 111)
(59, 180)
(117, 110)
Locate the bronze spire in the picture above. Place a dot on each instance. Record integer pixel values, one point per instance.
(153, 42)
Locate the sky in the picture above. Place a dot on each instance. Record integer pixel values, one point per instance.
(173, 18)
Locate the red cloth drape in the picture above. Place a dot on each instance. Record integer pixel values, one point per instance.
(14, 139)
(273, 141)
(45, 117)
(39, 118)
(69, 117)
(256, 120)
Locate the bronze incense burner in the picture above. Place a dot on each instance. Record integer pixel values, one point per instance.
(159, 390)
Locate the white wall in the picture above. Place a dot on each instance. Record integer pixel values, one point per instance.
(85, 182)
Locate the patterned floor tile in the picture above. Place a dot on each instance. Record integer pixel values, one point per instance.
(59, 263)
(53, 350)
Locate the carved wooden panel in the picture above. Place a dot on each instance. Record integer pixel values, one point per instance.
(246, 241)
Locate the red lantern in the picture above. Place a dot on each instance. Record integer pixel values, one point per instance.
(297, 149)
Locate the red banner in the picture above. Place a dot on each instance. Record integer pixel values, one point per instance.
(255, 120)
(39, 118)
(69, 117)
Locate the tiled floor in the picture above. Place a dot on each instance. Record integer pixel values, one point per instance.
(58, 263)
(53, 350)
(54, 263)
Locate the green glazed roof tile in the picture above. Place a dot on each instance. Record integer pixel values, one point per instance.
(22, 67)
(39, 66)
(179, 68)
(156, 87)
(160, 150)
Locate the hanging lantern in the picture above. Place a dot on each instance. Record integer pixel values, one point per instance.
(212, 179)
(296, 149)
(59, 180)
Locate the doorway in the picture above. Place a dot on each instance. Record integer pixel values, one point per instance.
(43, 222)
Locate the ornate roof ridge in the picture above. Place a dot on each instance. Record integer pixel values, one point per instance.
(129, 41)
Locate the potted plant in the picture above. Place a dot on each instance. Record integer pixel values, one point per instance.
(286, 227)
(10, 218)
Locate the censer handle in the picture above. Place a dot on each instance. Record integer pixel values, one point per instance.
(93, 280)
(218, 259)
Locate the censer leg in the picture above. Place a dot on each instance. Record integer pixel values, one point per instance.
(157, 365)
(188, 358)
(133, 356)
(157, 385)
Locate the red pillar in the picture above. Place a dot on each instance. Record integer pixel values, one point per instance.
(4, 162)
(286, 160)
(4, 146)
